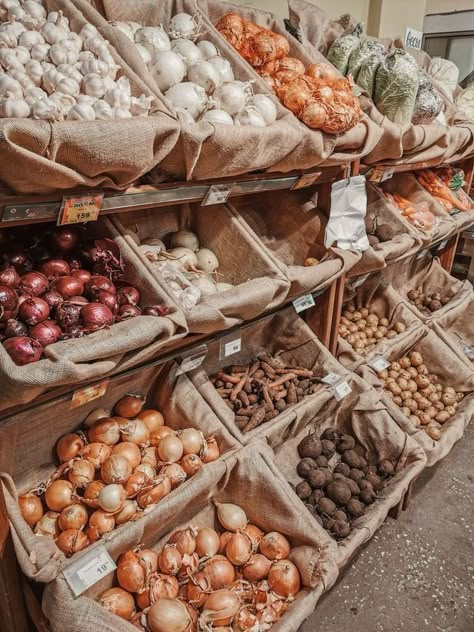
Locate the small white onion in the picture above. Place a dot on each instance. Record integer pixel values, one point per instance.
(250, 116)
(205, 75)
(266, 107)
(153, 38)
(168, 69)
(187, 50)
(208, 49)
(231, 97)
(223, 67)
(183, 26)
(188, 96)
(217, 116)
(144, 53)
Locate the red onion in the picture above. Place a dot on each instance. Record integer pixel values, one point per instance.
(53, 298)
(156, 310)
(98, 283)
(96, 316)
(108, 299)
(68, 286)
(23, 350)
(33, 311)
(67, 315)
(83, 275)
(65, 238)
(128, 311)
(46, 333)
(9, 277)
(74, 263)
(76, 331)
(21, 261)
(15, 329)
(54, 268)
(8, 303)
(34, 283)
(128, 296)
(78, 300)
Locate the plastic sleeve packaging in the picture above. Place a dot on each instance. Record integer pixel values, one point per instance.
(346, 226)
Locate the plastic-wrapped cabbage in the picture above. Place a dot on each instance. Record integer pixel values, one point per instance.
(359, 56)
(396, 86)
(444, 72)
(428, 103)
(465, 102)
(341, 51)
(366, 75)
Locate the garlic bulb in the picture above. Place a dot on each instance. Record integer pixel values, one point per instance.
(47, 66)
(84, 99)
(34, 94)
(35, 9)
(120, 96)
(109, 83)
(63, 101)
(17, 12)
(13, 26)
(51, 78)
(46, 110)
(95, 44)
(9, 60)
(102, 110)
(55, 30)
(134, 26)
(22, 54)
(7, 84)
(88, 31)
(68, 86)
(29, 38)
(73, 42)
(22, 78)
(94, 67)
(141, 106)
(70, 71)
(40, 52)
(59, 54)
(8, 39)
(144, 53)
(34, 71)
(119, 111)
(94, 86)
(15, 107)
(58, 18)
(85, 55)
(81, 112)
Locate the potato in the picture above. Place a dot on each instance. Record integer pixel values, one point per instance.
(412, 371)
(433, 398)
(412, 405)
(353, 328)
(399, 327)
(343, 331)
(351, 340)
(351, 308)
(439, 388)
(416, 396)
(391, 334)
(423, 417)
(406, 395)
(383, 374)
(394, 374)
(402, 383)
(394, 388)
(406, 411)
(359, 350)
(448, 399)
(433, 378)
(415, 421)
(362, 335)
(364, 311)
(423, 403)
(383, 329)
(450, 410)
(405, 374)
(372, 319)
(347, 315)
(459, 397)
(390, 380)
(442, 417)
(439, 406)
(384, 322)
(356, 316)
(422, 369)
(345, 321)
(397, 400)
(416, 358)
(362, 324)
(405, 362)
(422, 381)
(433, 432)
(412, 386)
(378, 335)
(371, 346)
(395, 367)
(431, 411)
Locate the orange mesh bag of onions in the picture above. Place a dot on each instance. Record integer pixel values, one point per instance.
(362, 416)
(372, 317)
(116, 348)
(285, 337)
(272, 507)
(40, 156)
(431, 279)
(289, 228)
(258, 284)
(456, 330)
(438, 416)
(27, 445)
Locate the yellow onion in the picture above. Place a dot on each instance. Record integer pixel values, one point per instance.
(223, 539)
(112, 498)
(96, 453)
(73, 517)
(119, 602)
(136, 431)
(128, 511)
(189, 566)
(160, 433)
(116, 469)
(59, 495)
(95, 415)
(31, 509)
(170, 560)
(81, 473)
(211, 451)
(68, 447)
(274, 546)
(232, 517)
(152, 418)
(284, 579)
(163, 586)
(131, 575)
(170, 449)
(147, 469)
(149, 457)
(136, 482)
(149, 559)
(219, 571)
(100, 523)
(48, 525)
(256, 568)
(245, 620)
(197, 589)
(129, 406)
(106, 430)
(185, 540)
(91, 494)
(255, 534)
(130, 451)
(192, 440)
(220, 608)
(238, 549)
(160, 489)
(168, 615)
(72, 541)
(191, 464)
(207, 542)
(175, 473)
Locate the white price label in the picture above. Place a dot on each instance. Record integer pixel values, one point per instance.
(341, 390)
(331, 378)
(90, 569)
(422, 253)
(303, 303)
(380, 174)
(379, 363)
(189, 364)
(217, 194)
(443, 244)
(232, 347)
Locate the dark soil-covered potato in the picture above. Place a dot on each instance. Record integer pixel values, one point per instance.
(342, 468)
(326, 506)
(316, 479)
(339, 492)
(355, 508)
(328, 448)
(310, 446)
(303, 490)
(346, 443)
(351, 458)
(305, 466)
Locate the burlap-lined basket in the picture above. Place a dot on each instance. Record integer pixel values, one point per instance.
(289, 228)
(440, 360)
(284, 335)
(362, 415)
(456, 329)
(27, 457)
(407, 144)
(259, 284)
(385, 303)
(271, 506)
(44, 156)
(428, 274)
(104, 352)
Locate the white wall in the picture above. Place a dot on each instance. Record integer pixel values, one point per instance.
(333, 8)
(445, 6)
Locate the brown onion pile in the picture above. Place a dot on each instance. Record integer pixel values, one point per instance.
(111, 472)
(240, 579)
(363, 329)
(419, 394)
(57, 287)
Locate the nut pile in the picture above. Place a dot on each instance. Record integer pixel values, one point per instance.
(339, 483)
(427, 303)
(260, 391)
(363, 329)
(419, 394)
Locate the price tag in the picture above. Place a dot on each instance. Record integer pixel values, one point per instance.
(379, 363)
(331, 378)
(192, 361)
(78, 209)
(443, 244)
(232, 347)
(306, 181)
(90, 569)
(381, 174)
(341, 390)
(303, 303)
(217, 194)
(89, 393)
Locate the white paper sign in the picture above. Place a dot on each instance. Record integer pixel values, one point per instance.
(331, 378)
(303, 303)
(341, 390)
(232, 347)
(379, 363)
(90, 569)
(191, 363)
(443, 244)
(217, 194)
(413, 38)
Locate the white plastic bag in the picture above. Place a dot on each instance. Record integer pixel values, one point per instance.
(346, 226)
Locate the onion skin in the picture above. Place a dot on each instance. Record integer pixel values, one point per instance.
(284, 579)
(15, 329)
(10, 277)
(81, 474)
(275, 546)
(168, 615)
(116, 470)
(152, 496)
(100, 523)
(96, 453)
(170, 560)
(191, 464)
(130, 573)
(48, 525)
(72, 541)
(223, 602)
(92, 492)
(185, 541)
(105, 430)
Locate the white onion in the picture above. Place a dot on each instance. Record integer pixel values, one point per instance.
(206, 260)
(223, 67)
(231, 97)
(189, 97)
(168, 69)
(217, 116)
(153, 38)
(185, 239)
(187, 49)
(208, 49)
(266, 107)
(144, 53)
(206, 286)
(250, 116)
(205, 75)
(182, 26)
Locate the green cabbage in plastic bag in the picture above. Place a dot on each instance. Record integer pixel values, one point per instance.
(396, 86)
(366, 75)
(359, 55)
(340, 52)
(428, 103)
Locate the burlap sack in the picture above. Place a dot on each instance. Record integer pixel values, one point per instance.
(289, 228)
(27, 455)
(427, 273)
(271, 506)
(44, 156)
(259, 284)
(362, 415)
(284, 335)
(407, 144)
(385, 303)
(104, 352)
(440, 360)
(456, 329)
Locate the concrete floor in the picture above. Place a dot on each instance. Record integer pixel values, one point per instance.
(417, 572)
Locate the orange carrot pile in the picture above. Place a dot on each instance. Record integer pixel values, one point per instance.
(434, 185)
(417, 214)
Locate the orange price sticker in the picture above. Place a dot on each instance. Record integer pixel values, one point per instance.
(89, 393)
(80, 208)
(306, 181)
